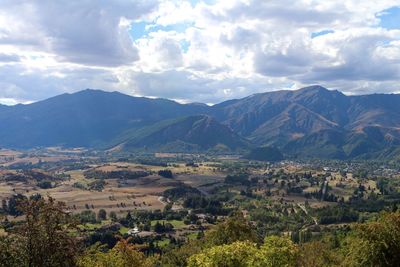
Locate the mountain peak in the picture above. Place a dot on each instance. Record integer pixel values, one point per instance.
(315, 88)
(90, 91)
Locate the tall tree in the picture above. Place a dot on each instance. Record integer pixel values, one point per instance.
(44, 239)
(376, 243)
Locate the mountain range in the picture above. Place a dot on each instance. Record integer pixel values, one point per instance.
(309, 122)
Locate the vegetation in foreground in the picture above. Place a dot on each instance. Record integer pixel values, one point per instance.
(49, 237)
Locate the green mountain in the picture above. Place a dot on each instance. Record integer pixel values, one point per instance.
(87, 118)
(192, 133)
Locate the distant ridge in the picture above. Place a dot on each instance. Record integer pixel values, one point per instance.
(86, 118)
(309, 122)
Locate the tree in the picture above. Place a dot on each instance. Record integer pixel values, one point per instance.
(102, 215)
(166, 173)
(13, 204)
(122, 255)
(376, 243)
(113, 216)
(237, 254)
(180, 255)
(235, 228)
(87, 216)
(317, 253)
(44, 184)
(10, 251)
(44, 238)
(276, 251)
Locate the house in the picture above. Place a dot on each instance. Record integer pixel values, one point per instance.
(134, 231)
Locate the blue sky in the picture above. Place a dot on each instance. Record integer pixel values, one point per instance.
(142, 29)
(390, 18)
(197, 50)
(320, 33)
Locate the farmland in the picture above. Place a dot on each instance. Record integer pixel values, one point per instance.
(173, 198)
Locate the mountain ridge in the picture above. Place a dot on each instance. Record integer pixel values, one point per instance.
(312, 121)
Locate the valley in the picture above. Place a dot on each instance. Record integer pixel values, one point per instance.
(167, 182)
(192, 192)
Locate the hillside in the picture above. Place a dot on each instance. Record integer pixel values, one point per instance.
(309, 122)
(87, 118)
(315, 122)
(193, 133)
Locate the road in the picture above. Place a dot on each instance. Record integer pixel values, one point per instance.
(303, 208)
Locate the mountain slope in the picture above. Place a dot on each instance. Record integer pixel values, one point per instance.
(314, 121)
(294, 112)
(311, 122)
(199, 132)
(86, 118)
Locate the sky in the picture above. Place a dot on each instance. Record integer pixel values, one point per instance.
(199, 50)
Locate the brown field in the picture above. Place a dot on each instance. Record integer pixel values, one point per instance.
(141, 193)
(145, 193)
(119, 196)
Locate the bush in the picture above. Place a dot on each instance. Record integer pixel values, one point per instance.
(242, 179)
(102, 215)
(44, 184)
(87, 216)
(276, 251)
(166, 173)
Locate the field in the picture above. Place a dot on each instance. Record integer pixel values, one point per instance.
(187, 194)
(119, 196)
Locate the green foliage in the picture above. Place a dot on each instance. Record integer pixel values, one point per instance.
(276, 251)
(102, 215)
(265, 154)
(87, 216)
(10, 251)
(44, 184)
(181, 191)
(166, 173)
(43, 239)
(337, 214)
(180, 255)
(97, 185)
(122, 255)
(12, 205)
(128, 175)
(241, 178)
(113, 216)
(235, 228)
(318, 253)
(237, 254)
(375, 243)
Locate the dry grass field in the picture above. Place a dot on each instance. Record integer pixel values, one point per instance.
(144, 193)
(119, 196)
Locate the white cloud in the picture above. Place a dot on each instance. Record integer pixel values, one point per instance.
(195, 52)
(86, 32)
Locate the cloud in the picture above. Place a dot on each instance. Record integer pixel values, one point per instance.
(185, 86)
(196, 51)
(360, 55)
(9, 58)
(86, 32)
